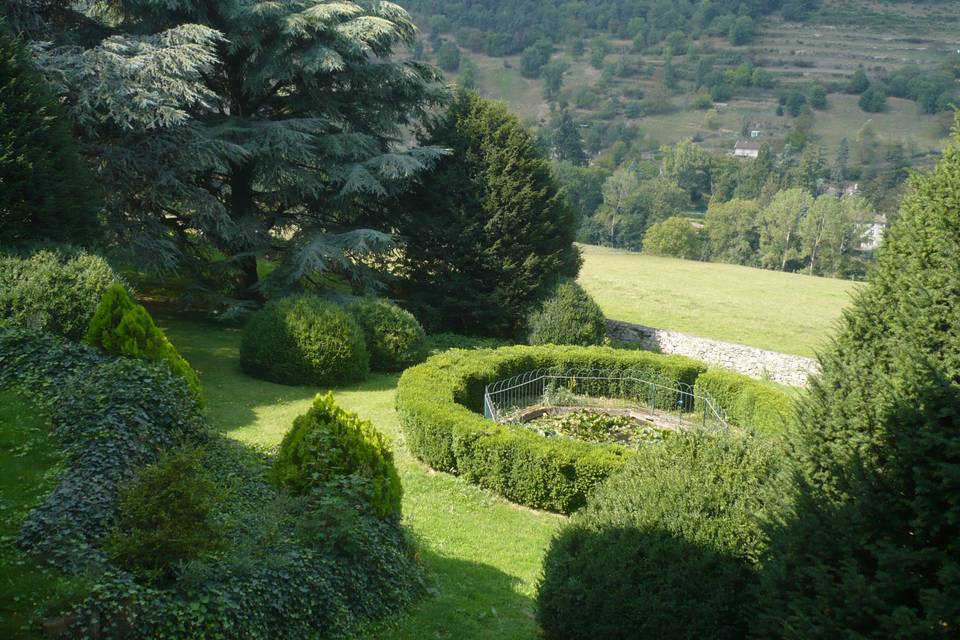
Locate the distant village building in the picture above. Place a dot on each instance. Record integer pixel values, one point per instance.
(747, 149)
(873, 235)
(847, 189)
(754, 134)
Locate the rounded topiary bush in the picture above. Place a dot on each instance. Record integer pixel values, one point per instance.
(56, 290)
(393, 336)
(328, 445)
(664, 549)
(568, 316)
(304, 340)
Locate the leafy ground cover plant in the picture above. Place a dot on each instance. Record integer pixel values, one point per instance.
(271, 578)
(598, 427)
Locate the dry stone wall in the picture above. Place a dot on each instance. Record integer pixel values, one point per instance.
(756, 363)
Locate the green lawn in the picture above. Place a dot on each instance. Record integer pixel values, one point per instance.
(28, 461)
(482, 553)
(787, 312)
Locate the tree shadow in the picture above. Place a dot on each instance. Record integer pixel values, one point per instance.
(634, 583)
(464, 601)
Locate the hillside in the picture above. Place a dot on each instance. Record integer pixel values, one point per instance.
(628, 88)
(786, 312)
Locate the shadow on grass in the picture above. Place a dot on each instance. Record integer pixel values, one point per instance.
(465, 601)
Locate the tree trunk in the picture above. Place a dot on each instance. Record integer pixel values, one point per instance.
(243, 209)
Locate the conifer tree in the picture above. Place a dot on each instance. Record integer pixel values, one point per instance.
(230, 130)
(867, 547)
(45, 190)
(488, 231)
(567, 145)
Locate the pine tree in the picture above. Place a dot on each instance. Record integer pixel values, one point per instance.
(45, 190)
(867, 547)
(567, 146)
(488, 231)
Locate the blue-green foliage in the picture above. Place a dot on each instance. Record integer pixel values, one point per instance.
(288, 569)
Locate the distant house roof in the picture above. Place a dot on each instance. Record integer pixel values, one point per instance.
(748, 145)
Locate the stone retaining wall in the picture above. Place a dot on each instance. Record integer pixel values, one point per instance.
(756, 363)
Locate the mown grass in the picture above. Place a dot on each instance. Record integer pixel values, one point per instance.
(787, 312)
(29, 459)
(483, 554)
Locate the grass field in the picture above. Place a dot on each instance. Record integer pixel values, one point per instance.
(482, 553)
(786, 312)
(28, 460)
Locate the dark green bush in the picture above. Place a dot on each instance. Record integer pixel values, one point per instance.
(328, 444)
(749, 403)
(303, 340)
(440, 403)
(568, 316)
(121, 327)
(168, 516)
(393, 336)
(56, 290)
(664, 549)
(46, 192)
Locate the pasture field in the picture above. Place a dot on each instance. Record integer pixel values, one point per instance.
(788, 312)
(482, 554)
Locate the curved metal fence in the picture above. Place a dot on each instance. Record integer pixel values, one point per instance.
(513, 400)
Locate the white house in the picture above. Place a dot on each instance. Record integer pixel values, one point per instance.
(747, 148)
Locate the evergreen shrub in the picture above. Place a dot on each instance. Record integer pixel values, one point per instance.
(45, 189)
(866, 546)
(749, 403)
(303, 340)
(121, 327)
(54, 289)
(168, 516)
(568, 316)
(393, 336)
(664, 549)
(328, 444)
(440, 403)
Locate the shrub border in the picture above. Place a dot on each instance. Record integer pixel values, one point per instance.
(440, 407)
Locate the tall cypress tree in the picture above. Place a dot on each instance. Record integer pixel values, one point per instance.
(45, 191)
(869, 545)
(488, 231)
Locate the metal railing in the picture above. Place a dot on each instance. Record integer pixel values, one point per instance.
(513, 400)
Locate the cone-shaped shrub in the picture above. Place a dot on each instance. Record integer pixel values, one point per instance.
(869, 545)
(121, 327)
(393, 336)
(568, 316)
(304, 340)
(328, 444)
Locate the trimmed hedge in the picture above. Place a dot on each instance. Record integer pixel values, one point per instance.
(667, 548)
(749, 403)
(56, 290)
(393, 336)
(301, 340)
(439, 403)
